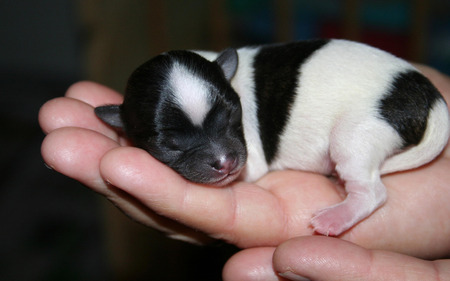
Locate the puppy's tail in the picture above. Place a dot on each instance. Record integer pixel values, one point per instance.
(433, 142)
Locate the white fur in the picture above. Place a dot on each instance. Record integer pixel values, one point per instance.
(191, 93)
(243, 84)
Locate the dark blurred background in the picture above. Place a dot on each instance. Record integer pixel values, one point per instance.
(52, 228)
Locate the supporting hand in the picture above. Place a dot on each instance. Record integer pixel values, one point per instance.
(266, 213)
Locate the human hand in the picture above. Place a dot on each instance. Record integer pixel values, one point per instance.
(326, 258)
(266, 213)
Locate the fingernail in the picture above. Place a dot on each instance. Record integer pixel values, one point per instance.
(48, 166)
(292, 276)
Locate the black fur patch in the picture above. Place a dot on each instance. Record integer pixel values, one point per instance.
(276, 77)
(407, 105)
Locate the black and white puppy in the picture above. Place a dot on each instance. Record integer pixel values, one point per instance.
(321, 105)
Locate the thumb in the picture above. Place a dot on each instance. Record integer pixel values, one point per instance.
(326, 258)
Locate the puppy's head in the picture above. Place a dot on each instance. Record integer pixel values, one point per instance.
(182, 109)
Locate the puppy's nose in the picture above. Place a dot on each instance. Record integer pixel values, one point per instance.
(226, 163)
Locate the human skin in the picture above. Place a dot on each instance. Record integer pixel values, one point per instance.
(414, 221)
(326, 258)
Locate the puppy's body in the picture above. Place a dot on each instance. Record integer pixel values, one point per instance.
(320, 106)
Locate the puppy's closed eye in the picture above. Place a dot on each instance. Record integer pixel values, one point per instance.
(173, 143)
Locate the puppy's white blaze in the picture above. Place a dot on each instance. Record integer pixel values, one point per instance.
(190, 93)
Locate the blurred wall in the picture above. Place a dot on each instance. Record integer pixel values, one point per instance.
(40, 37)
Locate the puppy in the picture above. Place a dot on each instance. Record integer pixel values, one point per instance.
(323, 106)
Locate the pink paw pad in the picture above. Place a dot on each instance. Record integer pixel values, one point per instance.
(333, 221)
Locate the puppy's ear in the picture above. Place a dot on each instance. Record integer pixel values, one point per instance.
(228, 61)
(110, 114)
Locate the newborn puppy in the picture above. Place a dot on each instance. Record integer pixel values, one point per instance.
(323, 106)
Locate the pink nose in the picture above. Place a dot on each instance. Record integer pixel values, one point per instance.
(225, 164)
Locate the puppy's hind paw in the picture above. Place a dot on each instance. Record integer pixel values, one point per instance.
(332, 221)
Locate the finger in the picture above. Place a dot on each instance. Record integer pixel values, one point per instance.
(325, 258)
(242, 214)
(94, 94)
(251, 264)
(77, 152)
(77, 108)
(67, 112)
